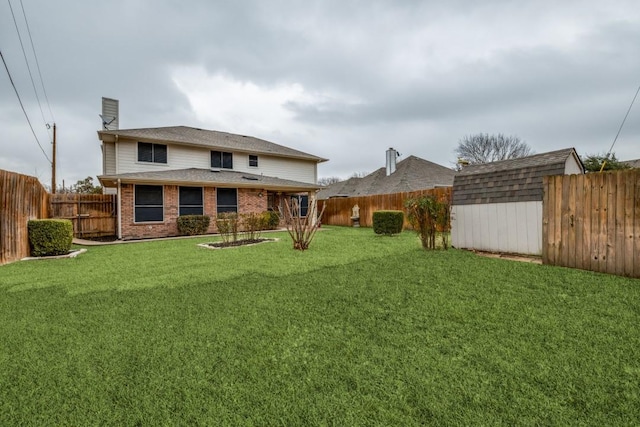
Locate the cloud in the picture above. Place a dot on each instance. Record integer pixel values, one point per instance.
(343, 80)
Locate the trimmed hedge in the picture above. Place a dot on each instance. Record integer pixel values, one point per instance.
(388, 222)
(191, 225)
(48, 237)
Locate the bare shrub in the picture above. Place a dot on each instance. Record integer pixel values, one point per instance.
(301, 229)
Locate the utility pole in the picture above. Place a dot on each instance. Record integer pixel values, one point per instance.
(53, 163)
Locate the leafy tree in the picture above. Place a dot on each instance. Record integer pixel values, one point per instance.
(429, 216)
(85, 186)
(485, 148)
(593, 162)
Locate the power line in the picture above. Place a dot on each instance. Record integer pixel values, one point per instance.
(623, 120)
(27, 62)
(37, 63)
(22, 106)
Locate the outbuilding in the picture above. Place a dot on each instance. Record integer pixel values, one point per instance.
(497, 206)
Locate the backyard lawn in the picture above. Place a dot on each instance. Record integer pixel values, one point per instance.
(358, 330)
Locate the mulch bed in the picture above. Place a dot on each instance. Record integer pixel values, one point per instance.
(242, 242)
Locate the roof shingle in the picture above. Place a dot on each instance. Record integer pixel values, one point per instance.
(412, 174)
(185, 135)
(207, 177)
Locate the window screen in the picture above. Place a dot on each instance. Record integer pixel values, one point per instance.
(191, 201)
(227, 200)
(148, 204)
(221, 160)
(152, 153)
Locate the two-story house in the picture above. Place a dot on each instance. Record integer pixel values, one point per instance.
(162, 173)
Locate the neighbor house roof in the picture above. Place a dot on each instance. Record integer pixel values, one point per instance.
(207, 177)
(632, 163)
(412, 174)
(514, 180)
(185, 135)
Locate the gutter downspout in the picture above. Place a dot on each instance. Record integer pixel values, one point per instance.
(119, 210)
(116, 154)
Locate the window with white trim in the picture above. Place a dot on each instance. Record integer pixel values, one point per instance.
(253, 161)
(152, 153)
(221, 160)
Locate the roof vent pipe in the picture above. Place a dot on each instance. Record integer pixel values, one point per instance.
(392, 155)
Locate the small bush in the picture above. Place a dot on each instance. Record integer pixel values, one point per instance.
(252, 225)
(190, 225)
(227, 223)
(428, 216)
(48, 237)
(272, 219)
(388, 222)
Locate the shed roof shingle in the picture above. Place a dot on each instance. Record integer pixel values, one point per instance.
(552, 157)
(514, 180)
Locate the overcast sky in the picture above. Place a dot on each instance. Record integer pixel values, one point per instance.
(343, 80)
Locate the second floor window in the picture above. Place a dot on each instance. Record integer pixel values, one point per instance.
(222, 160)
(253, 161)
(152, 153)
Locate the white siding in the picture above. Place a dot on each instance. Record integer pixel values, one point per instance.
(571, 166)
(181, 157)
(498, 227)
(109, 153)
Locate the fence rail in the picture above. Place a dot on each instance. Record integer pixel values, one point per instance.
(338, 210)
(92, 215)
(22, 198)
(592, 222)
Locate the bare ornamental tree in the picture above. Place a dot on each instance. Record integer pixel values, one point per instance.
(485, 148)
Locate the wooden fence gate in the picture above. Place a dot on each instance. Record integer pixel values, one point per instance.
(92, 215)
(592, 222)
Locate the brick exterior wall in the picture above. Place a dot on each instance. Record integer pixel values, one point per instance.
(249, 201)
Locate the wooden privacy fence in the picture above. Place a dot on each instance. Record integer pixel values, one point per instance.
(22, 198)
(338, 210)
(592, 222)
(92, 215)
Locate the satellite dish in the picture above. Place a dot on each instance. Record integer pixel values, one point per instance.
(106, 120)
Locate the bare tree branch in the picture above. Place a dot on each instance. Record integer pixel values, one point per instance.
(485, 148)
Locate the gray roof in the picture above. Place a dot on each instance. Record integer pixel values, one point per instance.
(207, 177)
(542, 159)
(185, 135)
(412, 174)
(515, 180)
(632, 163)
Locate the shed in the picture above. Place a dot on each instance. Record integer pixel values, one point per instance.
(497, 206)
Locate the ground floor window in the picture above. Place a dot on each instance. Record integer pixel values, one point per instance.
(191, 201)
(227, 199)
(148, 203)
(303, 204)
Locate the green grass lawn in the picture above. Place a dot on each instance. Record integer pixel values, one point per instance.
(358, 330)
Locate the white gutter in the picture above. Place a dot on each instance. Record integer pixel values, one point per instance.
(119, 210)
